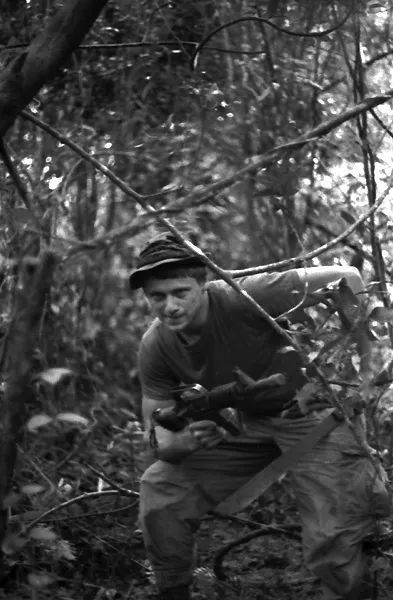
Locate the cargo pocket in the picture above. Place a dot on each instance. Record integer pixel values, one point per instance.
(364, 491)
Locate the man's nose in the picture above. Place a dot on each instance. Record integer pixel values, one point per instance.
(171, 305)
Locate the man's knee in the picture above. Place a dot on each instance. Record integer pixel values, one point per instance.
(158, 470)
(158, 479)
(167, 488)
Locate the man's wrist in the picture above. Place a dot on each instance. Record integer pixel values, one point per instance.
(181, 445)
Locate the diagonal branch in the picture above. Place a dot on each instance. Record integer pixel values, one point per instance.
(272, 155)
(208, 192)
(299, 261)
(85, 155)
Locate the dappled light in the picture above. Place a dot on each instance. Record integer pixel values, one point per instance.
(260, 136)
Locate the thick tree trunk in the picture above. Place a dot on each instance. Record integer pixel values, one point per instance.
(34, 67)
(21, 340)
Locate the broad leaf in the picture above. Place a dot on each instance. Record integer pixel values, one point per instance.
(38, 421)
(347, 216)
(11, 499)
(32, 488)
(41, 580)
(385, 376)
(42, 534)
(347, 304)
(306, 393)
(70, 417)
(381, 314)
(13, 543)
(55, 375)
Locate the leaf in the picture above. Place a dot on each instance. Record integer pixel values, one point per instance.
(287, 350)
(11, 499)
(299, 315)
(92, 329)
(372, 336)
(55, 375)
(70, 417)
(313, 355)
(376, 7)
(355, 360)
(41, 580)
(13, 543)
(385, 376)
(347, 304)
(43, 534)
(347, 216)
(381, 314)
(330, 345)
(32, 488)
(306, 393)
(38, 421)
(62, 549)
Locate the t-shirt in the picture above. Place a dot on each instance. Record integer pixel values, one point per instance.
(234, 335)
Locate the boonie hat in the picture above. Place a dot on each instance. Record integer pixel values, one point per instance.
(161, 251)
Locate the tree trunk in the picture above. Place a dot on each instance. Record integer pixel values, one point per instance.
(21, 340)
(28, 72)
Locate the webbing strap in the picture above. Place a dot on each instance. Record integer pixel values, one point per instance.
(257, 485)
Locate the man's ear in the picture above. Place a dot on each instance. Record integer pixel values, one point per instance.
(147, 303)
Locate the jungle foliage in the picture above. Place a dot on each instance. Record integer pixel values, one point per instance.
(262, 131)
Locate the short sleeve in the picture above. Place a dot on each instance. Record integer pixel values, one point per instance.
(156, 377)
(275, 292)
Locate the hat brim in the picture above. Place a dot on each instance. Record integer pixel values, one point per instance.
(139, 275)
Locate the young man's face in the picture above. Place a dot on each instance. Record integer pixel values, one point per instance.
(180, 303)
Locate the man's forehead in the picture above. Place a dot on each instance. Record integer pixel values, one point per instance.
(154, 284)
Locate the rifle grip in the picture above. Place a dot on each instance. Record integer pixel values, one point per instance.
(168, 419)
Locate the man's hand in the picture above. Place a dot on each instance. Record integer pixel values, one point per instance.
(206, 434)
(175, 446)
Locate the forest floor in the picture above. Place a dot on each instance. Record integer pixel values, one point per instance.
(99, 555)
(102, 556)
(91, 548)
(268, 567)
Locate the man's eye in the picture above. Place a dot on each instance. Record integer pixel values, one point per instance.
(181, 294)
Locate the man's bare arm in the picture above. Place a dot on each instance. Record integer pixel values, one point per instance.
(315, 278)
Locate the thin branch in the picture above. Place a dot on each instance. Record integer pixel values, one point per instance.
(299, 260)
(312, 34)
(153, 45)
(108, 480)
(328, 232)
(271, 156)
(87, 496)
(85, 155)
(210, 191)
(89, 515)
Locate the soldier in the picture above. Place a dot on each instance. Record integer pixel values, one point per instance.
(202, 331)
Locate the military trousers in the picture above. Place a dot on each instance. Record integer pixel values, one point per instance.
(339, 495)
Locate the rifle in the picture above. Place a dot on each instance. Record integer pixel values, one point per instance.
(194, 403)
